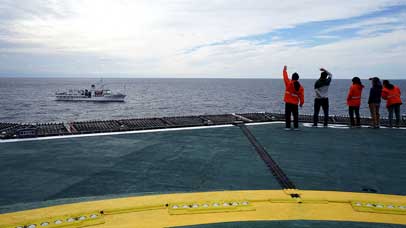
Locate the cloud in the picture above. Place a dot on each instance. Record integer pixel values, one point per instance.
(366, 23)
(371, 26)
(364, 56)
(152, 36)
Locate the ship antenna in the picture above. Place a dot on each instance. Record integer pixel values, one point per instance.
(101, 83)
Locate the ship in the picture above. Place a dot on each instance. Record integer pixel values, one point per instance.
(93, 94)
(228, 170)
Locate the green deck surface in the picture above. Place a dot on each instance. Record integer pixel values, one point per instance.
(180, 161)
(353, 160)
(295, 224)
(57, 170)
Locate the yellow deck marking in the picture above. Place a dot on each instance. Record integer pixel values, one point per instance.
(267, 205)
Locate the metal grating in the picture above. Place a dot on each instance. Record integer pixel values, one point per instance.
(256, 117)
(14, 130)
(183, 121)
(277, 172)
(5, 126)
(51, 129)
(220, 119)
(97, 126)
(140, 124)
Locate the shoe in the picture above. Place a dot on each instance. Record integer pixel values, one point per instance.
(314, 125)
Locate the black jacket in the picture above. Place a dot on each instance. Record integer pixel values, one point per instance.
(375, 95)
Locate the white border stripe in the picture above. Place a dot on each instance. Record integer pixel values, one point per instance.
(127, 132)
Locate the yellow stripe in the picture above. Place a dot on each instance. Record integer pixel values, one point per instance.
(199, 208)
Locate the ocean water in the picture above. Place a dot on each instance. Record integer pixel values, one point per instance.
(31, 100)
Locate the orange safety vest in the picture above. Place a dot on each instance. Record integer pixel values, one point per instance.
(354, 95)
(291, 95)
(392, 96)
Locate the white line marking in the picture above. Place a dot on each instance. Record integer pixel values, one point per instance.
(264, 123)
(336, 126)
(127, 132)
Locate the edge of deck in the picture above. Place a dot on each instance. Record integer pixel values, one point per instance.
(34, 130)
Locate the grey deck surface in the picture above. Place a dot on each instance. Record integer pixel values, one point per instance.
(200, 160)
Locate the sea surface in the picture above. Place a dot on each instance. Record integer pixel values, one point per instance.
(31, 100)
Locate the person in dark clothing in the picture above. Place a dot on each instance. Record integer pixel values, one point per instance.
(374, 101)
(321, 100)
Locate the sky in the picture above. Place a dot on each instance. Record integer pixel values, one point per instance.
(202, 38)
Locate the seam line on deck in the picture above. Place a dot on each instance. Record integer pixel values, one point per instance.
(277, 172)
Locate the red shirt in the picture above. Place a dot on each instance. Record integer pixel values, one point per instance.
(291, 95)
(354, 95)
(392, 96)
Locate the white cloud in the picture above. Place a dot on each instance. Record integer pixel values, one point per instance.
(365, 23)
(371, 26)
(156, 33)
(365, 56)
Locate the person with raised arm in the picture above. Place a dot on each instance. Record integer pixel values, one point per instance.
(321, 100)
(294, 96)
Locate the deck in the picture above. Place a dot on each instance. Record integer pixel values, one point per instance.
(33, 130)
(43, 172)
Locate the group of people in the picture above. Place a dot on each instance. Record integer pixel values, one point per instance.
(294, 97)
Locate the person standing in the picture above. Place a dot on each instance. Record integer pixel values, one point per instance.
(354, 101)
(391, 94)
(374, 101)
(294, 96)
(321, 100)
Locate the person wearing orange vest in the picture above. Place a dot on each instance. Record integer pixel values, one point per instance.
(391, 94)
(354, 101)
(294, 96)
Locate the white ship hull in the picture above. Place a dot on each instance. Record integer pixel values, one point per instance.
(112, 98)
(100, 94)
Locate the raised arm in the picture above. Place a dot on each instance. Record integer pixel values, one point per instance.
(285, 75)
(330, 75)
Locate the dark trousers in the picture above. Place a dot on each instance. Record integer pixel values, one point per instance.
(351, 110)
(289, 110)
(320, 102)
(394, 108)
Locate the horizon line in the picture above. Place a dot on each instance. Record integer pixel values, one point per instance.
(177, 77)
